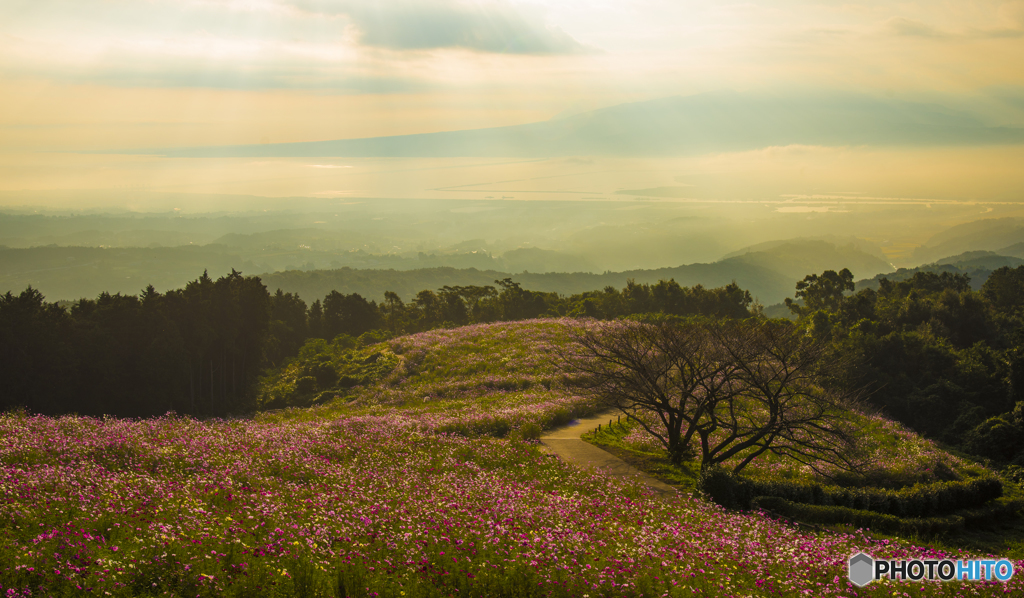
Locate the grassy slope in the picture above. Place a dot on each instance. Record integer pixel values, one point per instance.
(486, 379)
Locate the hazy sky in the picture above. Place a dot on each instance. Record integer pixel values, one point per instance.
(101, 74)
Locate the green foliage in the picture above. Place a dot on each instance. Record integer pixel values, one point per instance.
(288, 327)
(998, 438)
(196, 350)
(348, 314)
(931, 352)
(879, 522)
(323, 371)
(666, 297)
(920, 500)
(823, 292)
(1004, 289)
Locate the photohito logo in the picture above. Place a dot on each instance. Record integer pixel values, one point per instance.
(862, 569)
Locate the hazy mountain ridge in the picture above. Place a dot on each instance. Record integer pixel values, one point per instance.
(715, 121)
(977, 265)
(70, 273)
(372, 284)
(312, 261)
(796, 259)
(857, 243)
(1004, 236)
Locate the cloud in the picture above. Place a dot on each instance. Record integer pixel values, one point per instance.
(496, 27)
(912, 28)
(1011, 12)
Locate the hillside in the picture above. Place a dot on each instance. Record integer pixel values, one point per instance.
(417, 485)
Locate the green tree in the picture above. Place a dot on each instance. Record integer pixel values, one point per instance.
(349, 314)
(824, 292)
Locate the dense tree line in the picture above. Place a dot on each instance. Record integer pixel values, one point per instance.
(931, 352)
(195, 350)
(200, 350)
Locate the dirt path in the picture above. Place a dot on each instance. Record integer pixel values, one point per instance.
(565, 442)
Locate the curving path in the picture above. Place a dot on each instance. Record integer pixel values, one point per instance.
(566, 443)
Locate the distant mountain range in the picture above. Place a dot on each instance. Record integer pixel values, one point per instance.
(68, 273)
(770, 275)
(720, 121)
(768, 270)
(1003, 236)
(977, 265)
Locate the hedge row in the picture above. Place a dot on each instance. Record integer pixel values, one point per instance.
(922, 500)
(1002, 508)
(879, 522)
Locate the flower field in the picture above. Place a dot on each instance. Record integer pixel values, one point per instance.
(383, 498)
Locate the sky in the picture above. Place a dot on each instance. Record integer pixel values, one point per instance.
(104, 75)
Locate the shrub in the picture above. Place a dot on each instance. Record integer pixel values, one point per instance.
(724, 488)
(922, 500)
(530, 431)
(373, 337)
(930, 526)
(305, 385)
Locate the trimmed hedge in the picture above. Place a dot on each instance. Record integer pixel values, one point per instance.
(922, 526)
(1001, 508)
(921, 500)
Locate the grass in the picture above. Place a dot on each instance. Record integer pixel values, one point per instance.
(480, 380)
(646, 458)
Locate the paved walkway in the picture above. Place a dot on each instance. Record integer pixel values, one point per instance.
(565, 442)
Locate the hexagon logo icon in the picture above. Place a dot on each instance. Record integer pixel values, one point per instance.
(861, 569)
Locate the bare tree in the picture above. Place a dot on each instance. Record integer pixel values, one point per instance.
(732, 388)
(782, 406)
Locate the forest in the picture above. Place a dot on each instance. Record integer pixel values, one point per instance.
(927, 351)
(200, 350)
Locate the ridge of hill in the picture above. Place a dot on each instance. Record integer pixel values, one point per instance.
(714, 121)
(857, 243)
(760, 281)
(798, 258)
(978, 265)
(68, 273)
(1001, 235)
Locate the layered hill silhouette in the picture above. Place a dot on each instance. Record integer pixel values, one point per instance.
(1003, 236)
(67, 273)
(770, 274)
(719, 121)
